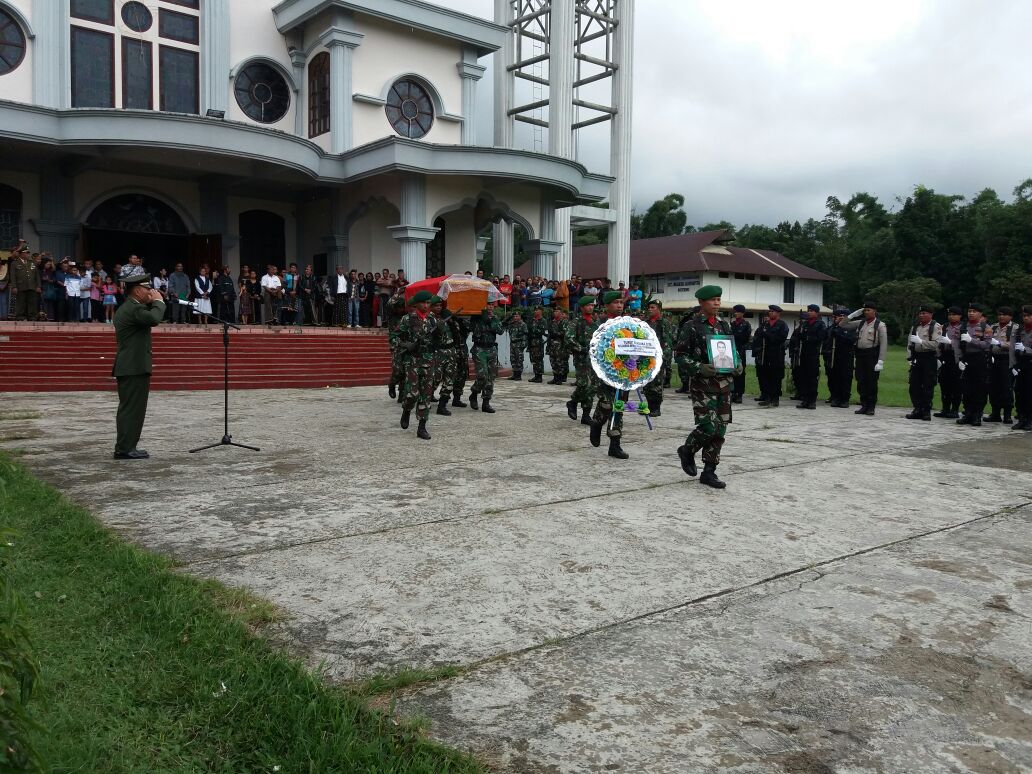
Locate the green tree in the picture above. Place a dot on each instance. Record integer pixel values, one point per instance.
(899, 300)
(666, 217)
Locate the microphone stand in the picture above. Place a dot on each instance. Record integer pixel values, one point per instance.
(227, 439)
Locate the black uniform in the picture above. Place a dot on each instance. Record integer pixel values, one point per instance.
(811, 335)
(793, 359)
(1001, 383)
(769, 353)
(974, 379)
(923, 357)
(838, 364)
(949, 372)
(742, 331)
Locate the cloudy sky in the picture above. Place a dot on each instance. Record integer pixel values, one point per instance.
(757, 111)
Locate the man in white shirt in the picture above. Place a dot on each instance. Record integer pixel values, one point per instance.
(339, 290)
(272, 292)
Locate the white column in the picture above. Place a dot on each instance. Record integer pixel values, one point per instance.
(562, 27)
(620, 144)
(342, 44)
(413, 233)
(470, 72)
(502, 248)
(50, 54)
(564, 234)
(504, 81)
(215, 56)
(298, 59)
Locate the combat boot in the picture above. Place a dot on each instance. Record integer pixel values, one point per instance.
(993, 417)
(405, 419)
(553, 380)
(595, 434)
(964, 420)
(709, 477)
(687, 461)
(915, 414)
(537, 379)
(392, 391)
(457, 399)
(1007, 417)
(486, 406)
(571, 409)
(473, 401)
(585, 418)
(400, 397)
(517, 376)
(736, 398)
(421, 431)
(655, 407)
(1020, 424)
(616, 451)
(442, 405)
(926, 415)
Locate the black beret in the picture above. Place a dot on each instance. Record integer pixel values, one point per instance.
(955, 310)
(1026, 309)
(1005, 310)
(926, 308)
(840, 311)
(775, 308)
(869, 304)
(976, 307)
(738, 308)
(812, 308)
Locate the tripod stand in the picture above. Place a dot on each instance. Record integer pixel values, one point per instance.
(227, 439)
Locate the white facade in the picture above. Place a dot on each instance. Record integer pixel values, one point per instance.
(305, 166)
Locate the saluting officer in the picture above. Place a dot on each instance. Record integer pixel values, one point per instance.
(143, 309)
(922, 352)
(741, 329)
(872, 341)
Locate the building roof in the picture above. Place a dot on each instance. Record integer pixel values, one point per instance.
(701, 251)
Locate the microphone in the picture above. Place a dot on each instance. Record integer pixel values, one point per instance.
(183, 302)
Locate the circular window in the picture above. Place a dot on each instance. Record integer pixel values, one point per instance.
(12, 43)
(136, 16)
(410, 109)
(262, 93)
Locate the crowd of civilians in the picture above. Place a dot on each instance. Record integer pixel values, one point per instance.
(85, 291)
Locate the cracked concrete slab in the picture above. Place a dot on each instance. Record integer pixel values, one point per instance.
(509, 546)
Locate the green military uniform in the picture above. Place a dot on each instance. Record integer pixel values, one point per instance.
(436, 310)
(395, 314)
(485, 329)
(447, 364)
(578, 340)
(537, 330)
(26, 282)
(415, 339)
(460, 332)
(517, 344)
(558, 357)
(710, 391)
(133, 366)
(605, 396)
(653, 391)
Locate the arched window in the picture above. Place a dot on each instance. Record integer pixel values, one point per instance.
(319, 95)
(10, 216)
(410, 110)
(12, 43)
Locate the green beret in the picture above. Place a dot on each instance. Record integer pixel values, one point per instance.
(655, 301)
(436, 300)
(611, 296)
(137, 279)
(586, 301)
(422, 295)
(706, 292)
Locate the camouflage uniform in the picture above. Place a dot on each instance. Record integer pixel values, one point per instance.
(558, 357)
(485, 353)
(711, 394)
(517, 345)
(415, 340)
(537, 330)
(578, 339)
(446, 362)
(395, 314)
(653, 391)
(604, 407)
(460, 332)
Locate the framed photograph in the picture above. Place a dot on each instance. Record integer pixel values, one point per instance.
(723, 354)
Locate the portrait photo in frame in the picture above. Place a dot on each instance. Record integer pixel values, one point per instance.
(723, 355)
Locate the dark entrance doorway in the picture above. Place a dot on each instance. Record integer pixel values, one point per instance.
(435, 251)
(137, 224)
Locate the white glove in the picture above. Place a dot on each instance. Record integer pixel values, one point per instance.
(788, 360)
(1019, 347)
(879, 365)
(961, 365)
(994, 342)
(1014, 371)
(915, 339)
(855, 315)
(965, 337)
(945, 340)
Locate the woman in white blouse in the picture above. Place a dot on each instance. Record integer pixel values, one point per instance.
(202, 294)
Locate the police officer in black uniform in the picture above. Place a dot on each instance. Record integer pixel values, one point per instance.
(811, 334)
(769, 352)
(741, 329)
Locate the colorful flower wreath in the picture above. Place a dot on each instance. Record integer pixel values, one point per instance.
(621, 371)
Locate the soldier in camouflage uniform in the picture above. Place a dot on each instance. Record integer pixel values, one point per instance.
(395, 313)
(682, 371)
(653, 391)
(710, 391)
(445, 362)
(614, 304)
(415, 340)
(485, 329)
(578, 339)
(558, 357)
(537, 330)
(517, 344)
(460, 332)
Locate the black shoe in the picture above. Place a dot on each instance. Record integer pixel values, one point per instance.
(135, 454)
(736, 398)
(518, 377)
(405, 419)
(812, 405)
(442, 406)
(553, 380)
(585, 418)
(457, 400)
(399, 398)
(861, 410)
(486, 406)
(964, 420)
(804, 405)
(709, 477)
(941, 414)
(392, 391)
(537, 379)
(976, 422)
(915, 414)
(761, 397)
(571, 409)
(682, 389)
(763, 403)
(793, 397)
(687, 461)
(595, 435)
(657, 411)
(994, 417)
(616, 451)
(1019, 425)
(421, 431)
(1007, 418)
(473, 402)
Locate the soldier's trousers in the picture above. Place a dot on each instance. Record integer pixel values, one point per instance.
(712, 416)
(559, 359)
(738, 387)
(516, 358)
(653, 391)
(604, 408)
(796, 380)
(974, 384)
(584, 391)
(949, 385)
(771, 376)
(133, 392)
(923, 369)
(418, 387)
(867, 377)
(448, 365)
(537, 357)
(461, 370)
(1023, 387)
(26, 305)
(840, 378)
(809, 376)
(1001, 385)
(485, 362)
(397, 370)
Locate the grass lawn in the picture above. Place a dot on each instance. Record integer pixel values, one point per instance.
(146, 670)
(892, 385)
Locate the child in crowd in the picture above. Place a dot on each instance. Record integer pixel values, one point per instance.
(95, 298)
(109, 289)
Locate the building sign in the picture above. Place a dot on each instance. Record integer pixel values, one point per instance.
(683, 283)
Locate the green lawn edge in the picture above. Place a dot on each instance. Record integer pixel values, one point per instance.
(143, 669)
